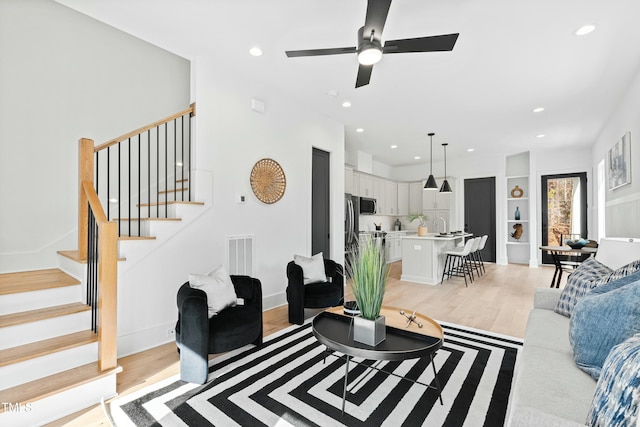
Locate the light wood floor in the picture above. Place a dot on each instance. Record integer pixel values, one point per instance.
(499, 301)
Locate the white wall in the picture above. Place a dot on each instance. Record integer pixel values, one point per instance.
(66, 76)
(230, 138)
(622, 204)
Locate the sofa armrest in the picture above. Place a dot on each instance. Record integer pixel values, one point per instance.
(546, 298)
(193, 338)
(249, 289)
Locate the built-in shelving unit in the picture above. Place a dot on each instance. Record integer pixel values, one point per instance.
(517, 177)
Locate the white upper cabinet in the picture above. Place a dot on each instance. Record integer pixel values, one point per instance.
(434, 199)
(380, 194)
(348, 180)
(391, 189)
(415, 197)
(365, 185)
(403, 198)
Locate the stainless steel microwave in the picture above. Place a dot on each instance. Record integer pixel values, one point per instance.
(368, 206)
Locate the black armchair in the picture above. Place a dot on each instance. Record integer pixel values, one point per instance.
(313, 295)
(197, 336)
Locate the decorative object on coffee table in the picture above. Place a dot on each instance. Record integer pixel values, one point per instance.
(268, 181)
(411, 318)
(368, 271)
(517, 192)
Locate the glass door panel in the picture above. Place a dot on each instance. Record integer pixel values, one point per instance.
(564, 209)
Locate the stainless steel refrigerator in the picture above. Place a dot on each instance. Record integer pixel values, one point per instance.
(351, 214)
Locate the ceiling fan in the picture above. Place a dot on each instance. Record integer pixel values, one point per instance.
(370, 47)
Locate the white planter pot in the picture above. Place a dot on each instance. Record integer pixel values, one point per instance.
(370, 332)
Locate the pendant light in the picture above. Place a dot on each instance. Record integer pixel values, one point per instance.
(431, 183)
(446, 188)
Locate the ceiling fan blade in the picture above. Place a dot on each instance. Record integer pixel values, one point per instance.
(440, 43)
(318, 52)
(364, 75)
(377, 11)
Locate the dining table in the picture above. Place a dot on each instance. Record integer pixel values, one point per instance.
(557, 252)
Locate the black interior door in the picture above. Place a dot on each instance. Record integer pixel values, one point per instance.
(480, 212)
(320, 192)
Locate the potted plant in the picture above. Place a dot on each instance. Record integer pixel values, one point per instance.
(423, 230)
(369, 273)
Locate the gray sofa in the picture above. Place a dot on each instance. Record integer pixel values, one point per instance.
(550, 390)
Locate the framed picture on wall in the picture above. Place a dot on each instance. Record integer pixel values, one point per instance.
(619, 163)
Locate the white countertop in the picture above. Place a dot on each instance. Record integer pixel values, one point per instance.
(436, 236)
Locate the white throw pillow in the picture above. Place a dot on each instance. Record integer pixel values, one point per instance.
(312, 268)
(218, 287)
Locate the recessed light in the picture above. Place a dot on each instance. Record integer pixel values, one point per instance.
(471, 150)
(585, 29)
(417, 157)
(113, 200)
(179, 164)
(538, 109)
(540, 136)
(346, 104)
(359, 130)
(394, 146)
(255, 51)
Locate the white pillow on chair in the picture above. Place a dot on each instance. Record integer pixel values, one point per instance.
(219, 289)
(312, 268)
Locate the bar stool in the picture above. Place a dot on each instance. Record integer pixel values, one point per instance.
(472, 259)
(483, 243)
(456, 263)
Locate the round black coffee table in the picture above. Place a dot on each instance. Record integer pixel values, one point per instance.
(335, 330)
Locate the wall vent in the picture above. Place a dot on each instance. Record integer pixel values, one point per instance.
(240, 255)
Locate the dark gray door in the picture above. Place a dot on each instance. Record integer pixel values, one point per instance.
(320, 191)
(480, 212)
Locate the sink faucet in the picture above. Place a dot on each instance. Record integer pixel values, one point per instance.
(444, 224)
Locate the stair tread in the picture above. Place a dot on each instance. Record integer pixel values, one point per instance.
(148, 219)
(42, 314)
(173, 190)
(136, 238)
(171, 202)
(40, 348)
(26, 281)
(75, 256)
(56, 383)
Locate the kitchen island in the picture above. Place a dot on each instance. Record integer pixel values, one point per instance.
(423, 257)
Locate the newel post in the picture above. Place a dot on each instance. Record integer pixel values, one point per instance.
(85, 173)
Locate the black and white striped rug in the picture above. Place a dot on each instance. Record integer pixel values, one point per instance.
(286, 383)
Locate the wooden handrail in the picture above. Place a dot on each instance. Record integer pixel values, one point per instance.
(94, 201)
(191, 110)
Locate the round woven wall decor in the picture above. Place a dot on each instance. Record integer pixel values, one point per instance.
(268, 181)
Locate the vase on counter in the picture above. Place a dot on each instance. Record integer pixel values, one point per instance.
(423, 230)
(517, 215)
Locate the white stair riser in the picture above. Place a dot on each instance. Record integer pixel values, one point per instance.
(14, 336)
(131, 228)
(32, 369)
(59, 405)
(25, 301)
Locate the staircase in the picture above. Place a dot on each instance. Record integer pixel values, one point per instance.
(58, 340)
(48, 353)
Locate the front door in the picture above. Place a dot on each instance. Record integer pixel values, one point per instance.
(320, 192)
(480, 212)
(564, 209)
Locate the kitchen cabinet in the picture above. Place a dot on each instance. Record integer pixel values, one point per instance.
(415, 197)
(391, 190)
(380, 194)
(348, 180)
(403, 198)
(365, 187)
(393, 246)
(435, 200)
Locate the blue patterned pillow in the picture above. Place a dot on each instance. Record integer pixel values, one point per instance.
(603, 318)
(579, 283)
(623, 271)
(617, 396)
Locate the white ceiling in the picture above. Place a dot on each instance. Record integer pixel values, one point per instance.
(511, 57)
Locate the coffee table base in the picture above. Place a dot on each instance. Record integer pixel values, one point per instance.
(346, 376)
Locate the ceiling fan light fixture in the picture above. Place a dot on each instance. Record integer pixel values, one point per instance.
(369, 53)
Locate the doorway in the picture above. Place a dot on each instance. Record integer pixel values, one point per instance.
(564, 209)
(480, 212)
(320, 206)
